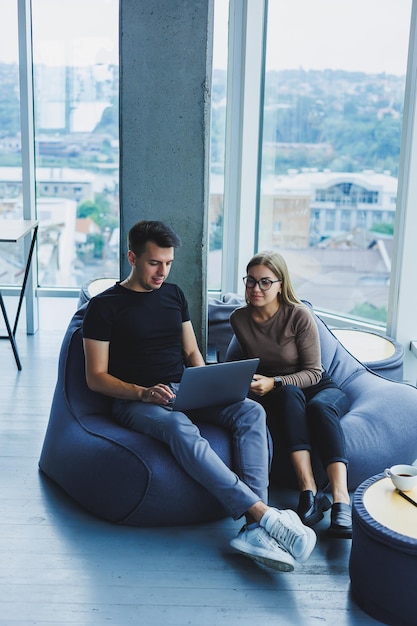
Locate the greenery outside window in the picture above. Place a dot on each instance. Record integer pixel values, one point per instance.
(333, 108)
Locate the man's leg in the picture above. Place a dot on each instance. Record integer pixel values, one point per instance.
(246, 421)
(199, 460)
(193, 453)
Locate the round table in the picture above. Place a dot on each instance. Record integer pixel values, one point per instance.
(383, 560)
(382, 355)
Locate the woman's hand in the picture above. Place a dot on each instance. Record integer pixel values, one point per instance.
(261, 385)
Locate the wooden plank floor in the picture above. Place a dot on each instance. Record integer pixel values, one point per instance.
(59, 565)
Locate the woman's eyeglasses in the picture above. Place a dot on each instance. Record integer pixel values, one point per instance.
(264, 283)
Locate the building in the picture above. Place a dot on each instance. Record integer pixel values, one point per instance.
(63, 182)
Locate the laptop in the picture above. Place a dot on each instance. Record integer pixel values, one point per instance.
(211, 385)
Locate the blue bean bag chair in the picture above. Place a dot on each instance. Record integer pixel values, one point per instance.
(115, 473)
(380, 428)
(129, 478)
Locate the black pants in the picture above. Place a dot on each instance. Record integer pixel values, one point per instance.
(308, 419)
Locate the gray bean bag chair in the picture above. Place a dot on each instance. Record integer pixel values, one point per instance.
(113, 472)
(381, 426)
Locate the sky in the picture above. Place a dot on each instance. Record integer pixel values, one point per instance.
(356, 35)
(56, 23)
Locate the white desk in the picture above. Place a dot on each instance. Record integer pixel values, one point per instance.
(10, 232)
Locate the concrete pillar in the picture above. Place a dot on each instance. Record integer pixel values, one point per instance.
(165, 78)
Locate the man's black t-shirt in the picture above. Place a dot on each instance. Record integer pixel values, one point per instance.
(144, 330)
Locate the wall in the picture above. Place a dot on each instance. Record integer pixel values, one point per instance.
(165, 75)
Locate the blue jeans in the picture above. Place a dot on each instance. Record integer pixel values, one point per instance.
(245, 420)
(304, 419)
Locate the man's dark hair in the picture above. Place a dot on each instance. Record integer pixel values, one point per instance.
(154, 230)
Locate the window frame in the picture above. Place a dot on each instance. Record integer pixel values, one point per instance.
(247, 35)
(402, 295)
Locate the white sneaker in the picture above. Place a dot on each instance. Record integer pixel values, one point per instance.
(289, 531)
(257, 544)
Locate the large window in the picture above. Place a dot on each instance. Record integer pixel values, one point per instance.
(11, 256)
(333, 106)
(76, 122)
(75, 73)
(217, 142)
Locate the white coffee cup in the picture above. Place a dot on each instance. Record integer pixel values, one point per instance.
(404, 477)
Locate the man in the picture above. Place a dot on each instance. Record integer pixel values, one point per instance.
(138, 338)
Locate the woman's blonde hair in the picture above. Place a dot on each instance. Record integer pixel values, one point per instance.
(276, 263)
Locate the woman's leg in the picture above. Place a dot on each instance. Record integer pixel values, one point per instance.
(287, 421)
(301, 462)
(337, 474)
(324, 411)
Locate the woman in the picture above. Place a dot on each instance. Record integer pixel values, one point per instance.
(303, 404)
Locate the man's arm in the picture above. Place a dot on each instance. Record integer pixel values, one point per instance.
(99, 379)
(97, 376)
(192, 355)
